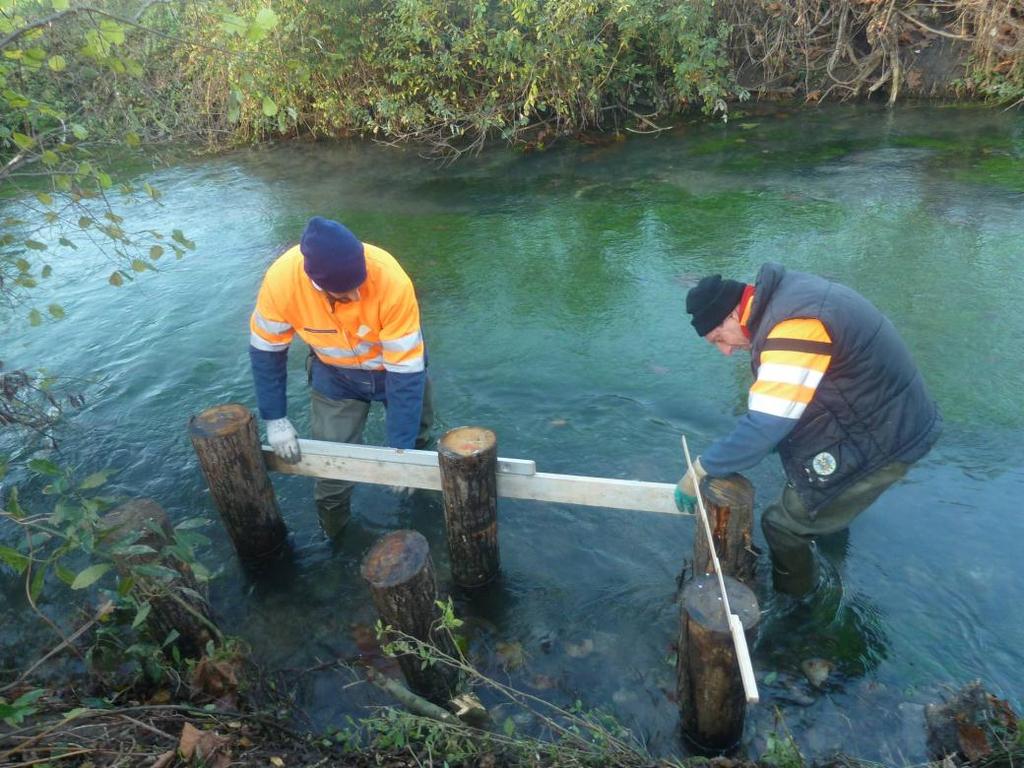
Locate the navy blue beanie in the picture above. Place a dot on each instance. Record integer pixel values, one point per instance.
(332, 256)
(711, 301)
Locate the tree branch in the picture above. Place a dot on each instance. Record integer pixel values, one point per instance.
(134, 21)
(46, 20)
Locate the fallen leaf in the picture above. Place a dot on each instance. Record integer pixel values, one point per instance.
(164, 760)
(277, 762)
(187, 743)
(816, 671)
(208, 747)
(214, 678)
(973, 742)
(212, 750)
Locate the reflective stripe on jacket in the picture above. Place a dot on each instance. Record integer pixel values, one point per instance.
(871, 406)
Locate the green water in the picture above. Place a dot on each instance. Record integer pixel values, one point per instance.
(552, 288)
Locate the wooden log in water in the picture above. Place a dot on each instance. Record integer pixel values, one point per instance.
(468, 457)
(228, 446)
(400, 574)
(712, 704)
(176, 604)
(730, 506)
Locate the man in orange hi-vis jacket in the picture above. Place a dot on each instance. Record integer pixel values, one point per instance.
(356, 308)
(835, 392)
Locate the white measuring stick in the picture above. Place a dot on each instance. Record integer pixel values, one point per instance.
(739, 639)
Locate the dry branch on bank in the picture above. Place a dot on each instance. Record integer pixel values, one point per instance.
(855, 48)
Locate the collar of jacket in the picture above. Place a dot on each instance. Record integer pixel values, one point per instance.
(768, 278)
(746, 301)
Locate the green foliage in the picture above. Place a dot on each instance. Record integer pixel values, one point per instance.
(394, 729)
(15, 712)
(780, 749)
(396, 644)
(72, 544)
(1003, 84)
(455, 74)
(67, 95)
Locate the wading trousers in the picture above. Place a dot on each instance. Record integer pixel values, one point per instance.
(789, 529)
(342, 421)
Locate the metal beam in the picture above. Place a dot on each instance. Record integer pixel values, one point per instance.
(517, 478)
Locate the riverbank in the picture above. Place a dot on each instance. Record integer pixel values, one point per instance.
(448, 81)
(234, 714)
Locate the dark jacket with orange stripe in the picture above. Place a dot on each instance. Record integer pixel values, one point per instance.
(871, 407)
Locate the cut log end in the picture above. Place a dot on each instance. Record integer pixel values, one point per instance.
(219, 421)
(467, 441)
(396, 558)
(702, 600)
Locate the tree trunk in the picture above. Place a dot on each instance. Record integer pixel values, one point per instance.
(712, 705)
(228, 447)
(468, 457)
(730, 505)
(401, 577)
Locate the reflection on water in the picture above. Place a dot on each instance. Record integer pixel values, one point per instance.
(552, 292)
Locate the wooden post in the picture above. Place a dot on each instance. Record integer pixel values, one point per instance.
(175, 604)
(401, 577)
(712, 705)
(468, 457)
(730, 506)
(228, 447)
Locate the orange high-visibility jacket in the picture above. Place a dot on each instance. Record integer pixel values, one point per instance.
(380, 331)
(375, 340)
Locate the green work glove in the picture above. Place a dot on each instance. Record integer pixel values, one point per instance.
(686, 488)
(684, 503)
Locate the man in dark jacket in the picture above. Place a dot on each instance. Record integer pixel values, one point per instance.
(835, 392)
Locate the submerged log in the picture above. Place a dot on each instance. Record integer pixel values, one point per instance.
(730, 506)
(401, 577)
(712, 704)
(175, 604)
(228, 446)
(468, 457)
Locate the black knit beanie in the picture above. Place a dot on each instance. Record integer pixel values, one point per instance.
(711, 301)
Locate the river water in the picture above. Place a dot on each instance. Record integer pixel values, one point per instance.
(552, 288)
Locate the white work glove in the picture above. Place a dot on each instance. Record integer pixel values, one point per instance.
(284, 440)
(402, 491)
